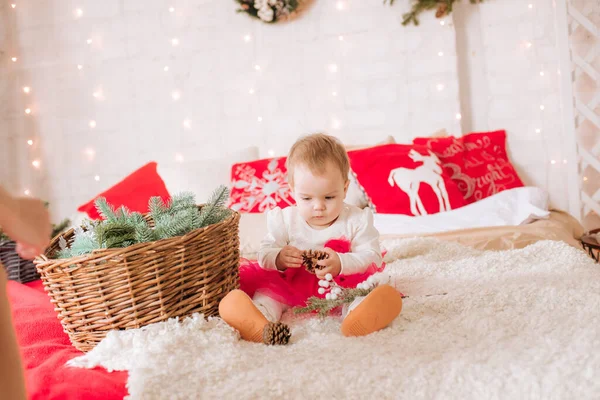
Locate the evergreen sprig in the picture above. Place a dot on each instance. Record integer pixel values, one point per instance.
(324, 306)
(122, 228)
(442, 7)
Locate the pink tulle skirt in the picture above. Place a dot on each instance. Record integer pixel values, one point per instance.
(295, 285)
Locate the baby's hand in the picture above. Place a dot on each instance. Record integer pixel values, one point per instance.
(288, 257)
(332, 264)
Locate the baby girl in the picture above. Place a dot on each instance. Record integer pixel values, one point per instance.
(318, 169)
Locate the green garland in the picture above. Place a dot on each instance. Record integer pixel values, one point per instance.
(122, 228)
(442, 7)
(324, 306)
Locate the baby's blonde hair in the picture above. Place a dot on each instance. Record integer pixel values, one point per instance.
(314, 151)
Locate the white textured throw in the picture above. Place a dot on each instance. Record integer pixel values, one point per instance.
(518, 324)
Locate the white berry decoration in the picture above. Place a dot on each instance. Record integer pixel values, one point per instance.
(334, 296)
(329, 277)
(328, 296)
(336, 290)
(321, 290)
(323, 283)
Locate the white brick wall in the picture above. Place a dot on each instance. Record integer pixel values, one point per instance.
(386, 83)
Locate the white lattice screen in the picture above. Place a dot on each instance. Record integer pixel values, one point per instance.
(581, 89)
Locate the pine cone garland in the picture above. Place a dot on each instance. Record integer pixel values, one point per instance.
(310, 259)
(276, 333)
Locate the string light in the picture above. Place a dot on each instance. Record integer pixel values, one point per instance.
(553, 162)
(92, 124)
(36, 163)
(585, 178)
(251, 91)
(528, 44)
(271, 153)
(171, 9)
(96, 178)
(340, 5)
(166, 68)
(14, 59)
(334, 94)
(441, 53)
(90, 153)
(257, 67)
(442, 23)
(440, 87)
(341, 38)
(78, 13)
(89, 41)
(28, 111)
(187, 123)
(259, 119)
(26, 192)
(538, 130)
(335, 123)
(175, 95)
(175, 42)
(458, 116)
(30, 142)
(179, 157)
(564, 161)
(542, 107)
(541, 73)
(247, 38)
(333, 68)
(26, 89)
(13, 5)
(530, 6)
(79, 67)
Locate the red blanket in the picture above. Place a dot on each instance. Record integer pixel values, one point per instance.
(45, 349)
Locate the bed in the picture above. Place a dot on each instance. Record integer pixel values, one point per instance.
(501, 303)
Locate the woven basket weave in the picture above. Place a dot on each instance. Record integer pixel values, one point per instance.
(17, 269)
(142, 284)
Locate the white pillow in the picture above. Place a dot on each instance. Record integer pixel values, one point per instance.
(202, 177)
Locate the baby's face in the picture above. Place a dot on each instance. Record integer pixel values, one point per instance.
(319, 198)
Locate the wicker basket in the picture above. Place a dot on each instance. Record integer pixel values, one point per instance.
(17, 269)
(142, 284)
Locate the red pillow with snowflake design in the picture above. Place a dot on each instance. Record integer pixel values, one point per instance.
(478, 163)
(404, 179)
(259, 186)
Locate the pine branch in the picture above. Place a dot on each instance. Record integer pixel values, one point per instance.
(63, 225)
(442, 7)
(105, 210)
(216, 202)
(324, 306)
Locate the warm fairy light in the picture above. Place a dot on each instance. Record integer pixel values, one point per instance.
(30, 142)
(96, 178)
(251, 91)
(14, 59)
(89, 41)
(175, 42)
(271, 153)
(552, 161)
(27, 192)
(28, 111)
(79, 67)
(333, 68)
(178, 157)
(26, 89)
(458, 116)
(542, 107)
(78, 13)
(176, 95)
(440, 87)
(171, 9)
(340, 5)
(92, 124)
(90, 153)
(36, 163)
(187, 123)
(341, 38)
(257, 67)
(247, 38)
(259, 119)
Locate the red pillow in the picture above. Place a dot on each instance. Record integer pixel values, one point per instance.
(477, 162)
(259, 186)
(404, 179)
(133, 192)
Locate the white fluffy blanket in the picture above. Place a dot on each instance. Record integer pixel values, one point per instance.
(513, 324)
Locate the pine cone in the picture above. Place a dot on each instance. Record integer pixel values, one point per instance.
(310, 259)
(442, 10)
(276, 333)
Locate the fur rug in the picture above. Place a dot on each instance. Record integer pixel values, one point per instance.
(510, 324)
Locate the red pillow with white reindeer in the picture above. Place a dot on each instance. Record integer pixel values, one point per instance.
(404, 179)
(478, 163)
(259, 186)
